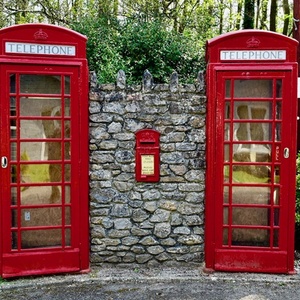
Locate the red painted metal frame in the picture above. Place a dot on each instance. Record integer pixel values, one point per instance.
(147, 143)
(248, 259)
(47, 260)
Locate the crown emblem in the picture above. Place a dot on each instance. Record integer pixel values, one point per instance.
(40, 35)
(253, 42)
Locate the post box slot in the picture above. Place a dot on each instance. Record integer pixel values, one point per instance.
(147, 142)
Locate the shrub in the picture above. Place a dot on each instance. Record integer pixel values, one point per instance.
(135, 45)
(149, 45)
(103, 49)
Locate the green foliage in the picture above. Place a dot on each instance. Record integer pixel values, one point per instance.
(103, 49)
(158, 35)
(249, 14)
(2, 281)
(148, 45)
(137, 45)
(298, 192)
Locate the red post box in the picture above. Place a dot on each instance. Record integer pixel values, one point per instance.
(147, 155)
(251, 152)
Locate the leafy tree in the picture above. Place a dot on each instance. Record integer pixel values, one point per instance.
(148, 45)
(103, 48)
(287, 12)
(161, 35)
(273, 13)
(249, 14)
(264, 14)
(136, 45)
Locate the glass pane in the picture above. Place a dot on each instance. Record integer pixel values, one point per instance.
(276, 238)
(14, 218)
(52, 128)
(68, 237)
(225, 236)
(253, 110)
(278, 132)
(55, 173)
(67, 150)
(250, 237)
(37, 173)
(251, 174)
(227, 88)
(279, 88)
(41, 238)
(67, 172)
(14, 196)
(49, 216)
(278, 110)
(276, 196)
(40, 151)
(252, 152)
(40, 106)
(14, 240)
(253, 131)
(251, 195)
(225, 216)
(13, 108)
(226, 152)
(276, 174)
(36, 195)
(67, 106)
(13, 151)
(67, 216)
(227, 110)
(12, 83)
(67, 84)
(13, 121)
(67, 194)
(226, 173)
(227, 132)
(40, 84)
(276, 216)
(226, 194)
(38, 129)
(67, 129)
(13, 129)
(13, 173)
(253, 88)
(250, 216)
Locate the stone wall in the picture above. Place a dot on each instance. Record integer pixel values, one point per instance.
(138, 222)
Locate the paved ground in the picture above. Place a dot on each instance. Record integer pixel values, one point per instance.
(155, 283)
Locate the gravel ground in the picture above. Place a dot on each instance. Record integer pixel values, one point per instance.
(132, 283)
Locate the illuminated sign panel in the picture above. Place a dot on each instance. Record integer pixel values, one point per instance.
(253, 55)
(41, 49)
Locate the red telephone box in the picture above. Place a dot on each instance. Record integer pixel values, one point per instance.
(251, 152)
(44, 224)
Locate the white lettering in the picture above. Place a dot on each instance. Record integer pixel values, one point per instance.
(253, 55)
(28, 48)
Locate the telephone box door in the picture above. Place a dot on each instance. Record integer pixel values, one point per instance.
(43, 225)
(252, 183)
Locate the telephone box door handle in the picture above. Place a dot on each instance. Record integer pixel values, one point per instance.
(286, 153)
(4, 162)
